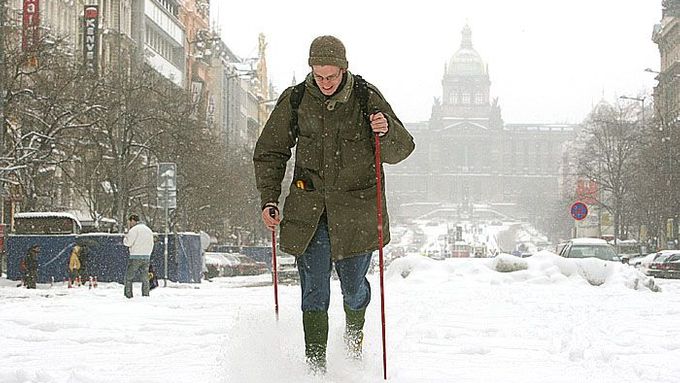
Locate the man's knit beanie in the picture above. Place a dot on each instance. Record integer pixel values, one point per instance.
(327, 50)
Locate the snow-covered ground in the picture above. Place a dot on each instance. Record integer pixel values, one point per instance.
(539, 319)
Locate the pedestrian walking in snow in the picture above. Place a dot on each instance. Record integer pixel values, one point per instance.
(74, 264)
(31, 267)
(330, 212)
(84, 257)
(139, 239)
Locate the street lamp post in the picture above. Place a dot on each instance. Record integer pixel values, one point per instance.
(650, 70)
(638, 99)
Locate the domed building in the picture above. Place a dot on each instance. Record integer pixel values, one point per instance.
(466, 87)
(466, 155)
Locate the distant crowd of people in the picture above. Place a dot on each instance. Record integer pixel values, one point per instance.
(139, 240)
(77, 266)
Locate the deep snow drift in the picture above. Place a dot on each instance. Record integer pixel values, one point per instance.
(538, 319)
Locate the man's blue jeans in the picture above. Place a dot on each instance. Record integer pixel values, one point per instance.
(134, 267)
(315, 267)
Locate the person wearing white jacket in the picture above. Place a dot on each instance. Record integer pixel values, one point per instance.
(139, 239)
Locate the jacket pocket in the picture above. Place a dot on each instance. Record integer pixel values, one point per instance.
(357, 177)
(356, 147)
(302, 206)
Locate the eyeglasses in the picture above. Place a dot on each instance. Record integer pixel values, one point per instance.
(330, 78)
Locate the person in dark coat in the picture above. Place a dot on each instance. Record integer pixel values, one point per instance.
(84, 262)
(31, 262)
(330, 212)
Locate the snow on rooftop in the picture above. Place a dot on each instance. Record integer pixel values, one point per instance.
(45, 214)
(588, 241)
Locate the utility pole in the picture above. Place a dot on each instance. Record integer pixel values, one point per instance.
(119, 138)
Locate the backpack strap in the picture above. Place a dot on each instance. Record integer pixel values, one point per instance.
(361, 87)
(295, 100)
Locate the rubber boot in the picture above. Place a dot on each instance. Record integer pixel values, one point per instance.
(354, 331)
(315, 324)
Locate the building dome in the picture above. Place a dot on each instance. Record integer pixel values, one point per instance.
(466, 61)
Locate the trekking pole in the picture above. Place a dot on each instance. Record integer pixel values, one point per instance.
(272, 213)
(378, 177)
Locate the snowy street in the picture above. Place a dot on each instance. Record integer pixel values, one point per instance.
(456, 320)
(515, 172)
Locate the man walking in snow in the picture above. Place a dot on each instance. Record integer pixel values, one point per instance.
(139, 239)
(30, 267)
(330, 211)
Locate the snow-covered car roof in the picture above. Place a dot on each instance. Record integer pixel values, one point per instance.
(662, 256)
(588, 241)
(667, 252)
(221, 259)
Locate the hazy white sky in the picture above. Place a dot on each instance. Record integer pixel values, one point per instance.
(548, 61)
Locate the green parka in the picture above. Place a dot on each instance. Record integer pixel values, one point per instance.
(335, 160)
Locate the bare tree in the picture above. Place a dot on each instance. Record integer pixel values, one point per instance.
(656, 194)
(45, 108)
(97, 141)
(610, 156)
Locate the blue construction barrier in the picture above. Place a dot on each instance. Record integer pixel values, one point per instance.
(105, 256)
(52, 260)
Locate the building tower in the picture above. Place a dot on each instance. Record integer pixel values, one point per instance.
(468, 161)
(466, 87)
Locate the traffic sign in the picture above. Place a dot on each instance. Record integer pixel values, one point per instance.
(579, 210)
(167, 198)
(167, 176)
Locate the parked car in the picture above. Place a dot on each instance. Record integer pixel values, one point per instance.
(232, 264)
(629, 250)
(249, 266)
(220, 264)
(635, 260)
(286, 268)
(665, 264)
(589, 248)
(436, 254)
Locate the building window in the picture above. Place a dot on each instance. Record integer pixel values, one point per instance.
(466, 98)
(170, 6)
(479, 98)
